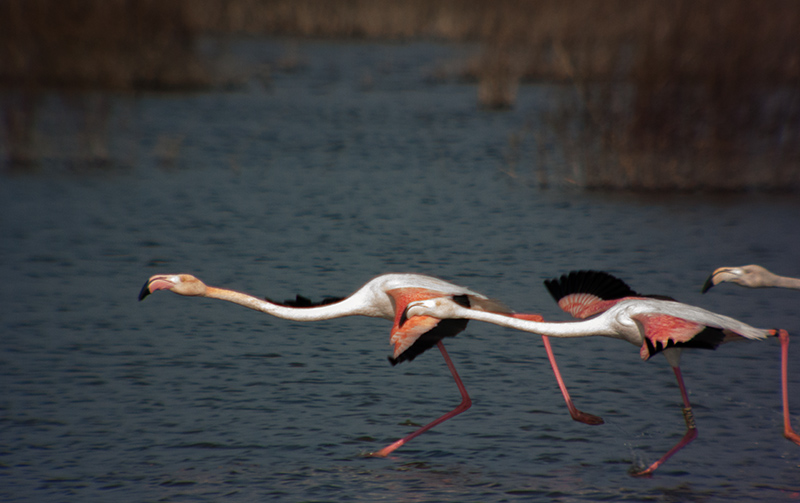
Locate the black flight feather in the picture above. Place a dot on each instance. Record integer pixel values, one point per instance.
(300, 301)
(598, 283)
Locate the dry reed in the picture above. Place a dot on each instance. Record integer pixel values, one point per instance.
(680, 95)
(104, 44)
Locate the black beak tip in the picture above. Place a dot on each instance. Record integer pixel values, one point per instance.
(707, 285)
(145, 291)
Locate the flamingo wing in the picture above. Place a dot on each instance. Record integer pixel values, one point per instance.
(421, 333)
(664, 331)
(586, 293)
(412, 336)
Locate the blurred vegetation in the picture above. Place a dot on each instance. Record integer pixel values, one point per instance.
(679, 95)
(102, 44)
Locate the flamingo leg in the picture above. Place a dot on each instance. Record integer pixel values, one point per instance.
(691, 428)
(576, 414)
(788, 432)
(465, 404)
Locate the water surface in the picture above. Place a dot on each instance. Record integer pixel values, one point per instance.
(313, 184)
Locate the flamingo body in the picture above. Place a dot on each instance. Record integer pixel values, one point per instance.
(653, 324)
(385, 296)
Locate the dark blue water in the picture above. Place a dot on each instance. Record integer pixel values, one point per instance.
(313, 184)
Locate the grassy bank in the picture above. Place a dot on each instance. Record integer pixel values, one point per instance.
(680, 95)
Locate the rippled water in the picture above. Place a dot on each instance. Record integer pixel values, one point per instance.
(313, 185)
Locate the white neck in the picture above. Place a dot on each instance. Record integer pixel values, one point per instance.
(594, 326)
(352, 305)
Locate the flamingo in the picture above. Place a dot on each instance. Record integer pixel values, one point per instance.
(751, 276)
(385, 296)
(755, 276)
(609, 308)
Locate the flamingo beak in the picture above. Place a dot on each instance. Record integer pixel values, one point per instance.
(708, 284)
(145, 290)
(720, 275)
(158, 282)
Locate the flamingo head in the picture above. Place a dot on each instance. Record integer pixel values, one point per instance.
(748, 275)
(182, 284)
(439, 307)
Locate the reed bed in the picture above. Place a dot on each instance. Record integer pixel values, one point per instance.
(103, 44)
(679, 95)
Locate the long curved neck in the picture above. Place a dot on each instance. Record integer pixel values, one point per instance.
(347, 307)
(784, 282)
(586, 328)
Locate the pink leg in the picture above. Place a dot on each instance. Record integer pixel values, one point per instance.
(691, 428)
(577, 415)
(788, 432)
(464, 405)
